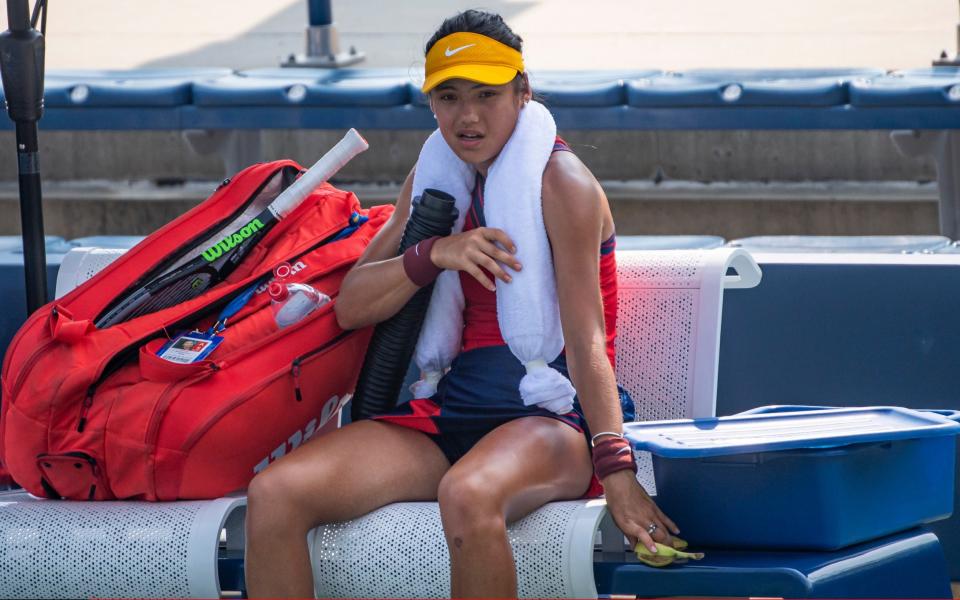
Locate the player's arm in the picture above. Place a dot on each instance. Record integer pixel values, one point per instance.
(377, 286)
(573, 214)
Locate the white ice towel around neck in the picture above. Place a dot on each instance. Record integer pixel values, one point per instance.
(527, 308)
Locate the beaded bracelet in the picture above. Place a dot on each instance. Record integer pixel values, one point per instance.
(593, 440)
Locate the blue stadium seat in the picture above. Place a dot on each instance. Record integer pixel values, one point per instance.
(564, 88)
(345, 87)
(308, 98)
(920, 87)
(122, 87)
(755, 87)
(585, 88)
(144, 87)
(120, 99)
(409, 77)
(219, 99)
(949, 72)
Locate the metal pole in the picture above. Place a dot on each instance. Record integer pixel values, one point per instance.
(323, 42)
(31, 217)
(21, 64)
(945, 60)
(320, 12)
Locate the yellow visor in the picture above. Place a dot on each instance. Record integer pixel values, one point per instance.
(473, 57)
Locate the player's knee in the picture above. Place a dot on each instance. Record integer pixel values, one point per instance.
(468, 504)
(272, 501)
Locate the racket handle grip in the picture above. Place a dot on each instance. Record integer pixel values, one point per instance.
(351, 145)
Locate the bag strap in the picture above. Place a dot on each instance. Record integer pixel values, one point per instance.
(64, 328)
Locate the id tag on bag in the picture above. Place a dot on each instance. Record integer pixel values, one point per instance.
(189, 347)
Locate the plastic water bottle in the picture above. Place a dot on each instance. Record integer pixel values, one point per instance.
(294, 301)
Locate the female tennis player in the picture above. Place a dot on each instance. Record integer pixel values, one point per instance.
(473, 446)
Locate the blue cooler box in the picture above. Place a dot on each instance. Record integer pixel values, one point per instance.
(814, 480)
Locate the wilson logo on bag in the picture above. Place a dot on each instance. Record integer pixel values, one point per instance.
(314, 427)
(96, 414)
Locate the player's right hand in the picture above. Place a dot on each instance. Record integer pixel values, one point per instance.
(480, 252)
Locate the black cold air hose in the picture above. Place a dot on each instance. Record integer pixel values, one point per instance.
(394, 340)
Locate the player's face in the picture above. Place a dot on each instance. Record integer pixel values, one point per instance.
(477, 119)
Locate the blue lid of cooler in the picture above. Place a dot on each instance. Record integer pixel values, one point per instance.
(747, 433)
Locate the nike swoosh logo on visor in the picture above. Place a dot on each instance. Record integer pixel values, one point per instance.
(448, 52)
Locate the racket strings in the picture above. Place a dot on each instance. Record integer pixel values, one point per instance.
(180, 291)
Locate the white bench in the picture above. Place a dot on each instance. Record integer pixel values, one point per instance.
(59, 549)
(668, 336)
(670, 306)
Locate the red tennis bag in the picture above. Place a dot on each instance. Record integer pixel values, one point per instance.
(96, 414)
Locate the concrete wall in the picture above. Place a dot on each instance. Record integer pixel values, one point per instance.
(734, 219)
(730, 210)
(729, 183)
(627, 155)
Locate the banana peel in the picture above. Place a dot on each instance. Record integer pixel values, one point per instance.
(665, 554)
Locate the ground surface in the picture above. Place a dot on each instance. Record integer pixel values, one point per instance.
(678, 34)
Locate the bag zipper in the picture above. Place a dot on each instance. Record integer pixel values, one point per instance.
(201, 431)
(15, 342)
(85, 408)
(27, 367)
(198, 433)
(239, 353)
(106, 368)
(295, 365)
(166, 398)
(32, 358)
(295, 369)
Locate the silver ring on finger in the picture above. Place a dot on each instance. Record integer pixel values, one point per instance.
(651, 528)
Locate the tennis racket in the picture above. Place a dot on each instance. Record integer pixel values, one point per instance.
(216, 262)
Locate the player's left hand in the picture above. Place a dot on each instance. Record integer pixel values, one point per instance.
(635, 513)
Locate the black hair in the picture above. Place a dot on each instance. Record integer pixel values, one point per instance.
(485, 23)
(481, 22)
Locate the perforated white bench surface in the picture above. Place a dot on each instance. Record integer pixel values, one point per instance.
(61, 549)
(399, 551)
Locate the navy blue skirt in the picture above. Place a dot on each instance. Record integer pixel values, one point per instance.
(479, 393)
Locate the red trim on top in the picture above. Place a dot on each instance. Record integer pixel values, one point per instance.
(419, 418)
